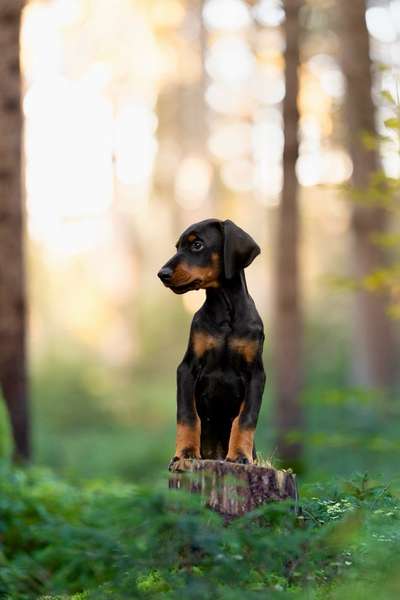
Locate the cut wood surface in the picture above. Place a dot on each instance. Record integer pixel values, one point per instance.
(233, 489)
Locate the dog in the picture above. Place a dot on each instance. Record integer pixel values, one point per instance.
(221, 378)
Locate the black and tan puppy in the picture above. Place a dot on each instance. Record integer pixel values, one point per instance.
(221, 378)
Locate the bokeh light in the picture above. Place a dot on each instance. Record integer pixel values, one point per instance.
(229, 15)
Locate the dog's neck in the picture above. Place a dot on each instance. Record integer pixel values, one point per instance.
(226, 301)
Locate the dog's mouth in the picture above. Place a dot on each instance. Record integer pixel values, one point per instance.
(184, 287)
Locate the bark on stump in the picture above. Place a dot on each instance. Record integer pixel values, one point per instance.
(233, 489)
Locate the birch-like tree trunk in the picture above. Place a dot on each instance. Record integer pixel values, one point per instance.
(374, 343)
(12, 276)
(288, 313)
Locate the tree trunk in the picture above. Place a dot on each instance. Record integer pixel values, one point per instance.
(374, 343)
(12, 276)
(183, 127)
(288, 317)
(193, 108)
(232, 489)
(169, 154)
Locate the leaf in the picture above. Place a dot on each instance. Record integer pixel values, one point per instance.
(388, 240)
(388, 96)
(382, 67)
(392, 123)
(376, 280)
(370, 142)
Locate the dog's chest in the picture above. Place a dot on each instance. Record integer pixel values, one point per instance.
(221, 374)
(209, 347)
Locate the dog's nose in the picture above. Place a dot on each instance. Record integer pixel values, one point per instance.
(165, 274)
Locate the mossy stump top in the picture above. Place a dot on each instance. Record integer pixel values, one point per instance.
(233, 489)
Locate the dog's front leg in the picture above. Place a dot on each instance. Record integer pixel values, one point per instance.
(241, 441)
(188, 428)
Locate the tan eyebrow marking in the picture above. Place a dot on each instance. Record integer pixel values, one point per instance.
(191, 237)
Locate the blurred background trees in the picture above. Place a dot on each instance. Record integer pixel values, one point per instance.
(374, 351)
(288, 330)
(143, 118)
(13, 377)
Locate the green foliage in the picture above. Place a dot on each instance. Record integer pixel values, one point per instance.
(6, 442)
(347, 428)
(119, 541)
(384, 191)
(88, 422)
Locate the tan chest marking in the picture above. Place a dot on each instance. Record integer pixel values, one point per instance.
(247, 348)
(203, 342)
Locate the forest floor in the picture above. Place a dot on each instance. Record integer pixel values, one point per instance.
(103, 540)
(99, 521)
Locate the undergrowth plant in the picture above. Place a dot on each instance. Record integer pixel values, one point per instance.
(119, 541)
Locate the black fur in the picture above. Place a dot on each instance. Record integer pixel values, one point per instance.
(221, 375)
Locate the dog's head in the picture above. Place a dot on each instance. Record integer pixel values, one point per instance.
(208, 253)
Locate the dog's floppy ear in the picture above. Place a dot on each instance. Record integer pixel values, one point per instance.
(239, 249)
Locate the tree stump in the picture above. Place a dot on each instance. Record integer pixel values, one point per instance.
(233, 489)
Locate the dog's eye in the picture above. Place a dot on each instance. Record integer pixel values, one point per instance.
(197, 246)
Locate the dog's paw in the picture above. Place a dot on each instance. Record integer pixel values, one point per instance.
(241, 459)
(190, 453)
(172, 462)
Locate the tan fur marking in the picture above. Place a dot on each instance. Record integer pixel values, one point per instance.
(202, 342)
(241, 441)
(181, 275)
(191, 237)
(188, 437)
(205, 276)
(247, 348)
(208, 276)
